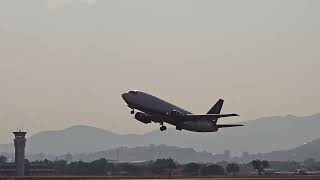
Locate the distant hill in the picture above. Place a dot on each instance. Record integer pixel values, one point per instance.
(146, 153)
(187, 155)
(301, 153)
(261, 135)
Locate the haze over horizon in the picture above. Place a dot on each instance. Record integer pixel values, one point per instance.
(67, 62)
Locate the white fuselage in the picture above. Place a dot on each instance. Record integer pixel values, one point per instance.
(160, 112)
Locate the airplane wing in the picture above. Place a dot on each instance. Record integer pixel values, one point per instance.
(228, 125)
(192, 117)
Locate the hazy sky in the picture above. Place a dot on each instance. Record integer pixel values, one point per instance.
(66, 62)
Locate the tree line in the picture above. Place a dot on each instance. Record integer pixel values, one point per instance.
(159, 167)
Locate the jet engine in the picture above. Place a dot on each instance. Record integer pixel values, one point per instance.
(176, 114)
(142, 117)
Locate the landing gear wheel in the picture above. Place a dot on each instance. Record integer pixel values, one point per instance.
(163, 128)
(132, 112)
(178, 128)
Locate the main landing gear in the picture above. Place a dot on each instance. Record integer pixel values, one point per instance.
(178, 128)
(132, 111)
(163, 127)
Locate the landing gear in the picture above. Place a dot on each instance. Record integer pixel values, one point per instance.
(163, 128)
(178, 128)
(132, 112)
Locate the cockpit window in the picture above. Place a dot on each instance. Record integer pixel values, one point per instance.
(133, 92)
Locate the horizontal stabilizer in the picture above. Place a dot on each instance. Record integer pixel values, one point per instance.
(226, 115)
(228, 125)
(192, 117)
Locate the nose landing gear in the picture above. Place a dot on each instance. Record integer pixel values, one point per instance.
(132, 111)
(163, 127)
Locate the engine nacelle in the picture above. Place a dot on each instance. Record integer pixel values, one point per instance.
(176, 114)
(142, 117)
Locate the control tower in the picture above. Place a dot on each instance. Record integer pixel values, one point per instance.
(19, 145)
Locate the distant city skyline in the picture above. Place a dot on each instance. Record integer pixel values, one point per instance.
(67, 62)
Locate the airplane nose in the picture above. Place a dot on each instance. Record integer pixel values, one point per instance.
(124, 96)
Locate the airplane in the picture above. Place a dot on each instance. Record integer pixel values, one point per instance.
(153, 109)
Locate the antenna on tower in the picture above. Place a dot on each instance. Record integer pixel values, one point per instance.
(22, 125)
(17, 125)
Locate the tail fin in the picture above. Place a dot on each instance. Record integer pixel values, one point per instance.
(216, 109)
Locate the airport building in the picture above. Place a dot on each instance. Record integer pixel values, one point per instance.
(21, 166)
(19, 147)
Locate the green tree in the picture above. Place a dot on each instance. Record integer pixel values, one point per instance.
(265, 164)
(233, 168)
(259, 166)
(132, 170)
(98, 167)
(256, 164)
(160, 166)
(191, 169)
(3, 159)
(59, 167)
(77, 168)
(212, 170)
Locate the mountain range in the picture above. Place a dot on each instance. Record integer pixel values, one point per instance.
(310, 150)
(301, 153)
(257, 136)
